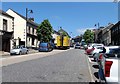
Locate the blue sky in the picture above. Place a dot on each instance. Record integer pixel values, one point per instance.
(73, 17)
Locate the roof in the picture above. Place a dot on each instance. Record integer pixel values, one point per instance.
(115, 25)
(56, 32)
(4, 13)
(25, 18)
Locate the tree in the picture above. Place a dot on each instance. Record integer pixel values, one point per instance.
(88, 36)
(44, 31)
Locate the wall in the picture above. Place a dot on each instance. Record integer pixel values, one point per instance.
(9, 22)
(19, 26)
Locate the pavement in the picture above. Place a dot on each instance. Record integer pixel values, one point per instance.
(2, 53)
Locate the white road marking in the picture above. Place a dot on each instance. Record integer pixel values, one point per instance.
(88, 60)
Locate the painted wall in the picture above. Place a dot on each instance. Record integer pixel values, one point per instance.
(9, 22)
(19, 26)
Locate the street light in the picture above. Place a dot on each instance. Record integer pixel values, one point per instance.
(27, 10)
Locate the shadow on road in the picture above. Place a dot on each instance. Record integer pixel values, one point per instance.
(90, 56)
(96, 75)
(95, 66)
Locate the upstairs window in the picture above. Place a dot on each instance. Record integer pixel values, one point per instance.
(29, 29)
(4, 24)
(32, 30)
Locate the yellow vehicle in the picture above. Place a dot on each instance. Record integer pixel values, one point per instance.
(63, 42)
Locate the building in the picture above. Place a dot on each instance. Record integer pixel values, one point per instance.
(95, 34)
(6, 31)
(24, 35)
(106, 34)
(115, 34)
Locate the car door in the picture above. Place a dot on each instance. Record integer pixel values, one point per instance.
(21, 50)
(24, 50)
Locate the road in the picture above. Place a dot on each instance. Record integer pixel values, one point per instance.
(68, 66)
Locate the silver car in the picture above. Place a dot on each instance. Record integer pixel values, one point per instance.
(19, 50)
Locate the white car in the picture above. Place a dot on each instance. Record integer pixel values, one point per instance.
(90, 46)
(19, 50)
(97, 49)
(108, 69)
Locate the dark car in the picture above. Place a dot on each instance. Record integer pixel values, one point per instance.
(113, 52)
(77, 46)
(45, 47)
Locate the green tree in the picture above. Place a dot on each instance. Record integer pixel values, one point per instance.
(44, 31)
(88, 36)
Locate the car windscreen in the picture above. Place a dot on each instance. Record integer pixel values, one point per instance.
(114, 53)
(17, 47)
(77, 44)
(100, 48)
(43, 44)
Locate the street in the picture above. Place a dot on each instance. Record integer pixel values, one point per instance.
(70, 65)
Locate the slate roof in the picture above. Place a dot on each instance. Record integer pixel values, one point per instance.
(4, 13)
(25, 18)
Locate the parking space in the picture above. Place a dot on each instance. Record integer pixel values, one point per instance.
(94, 68)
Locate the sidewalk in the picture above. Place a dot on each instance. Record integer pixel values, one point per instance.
(2, 53)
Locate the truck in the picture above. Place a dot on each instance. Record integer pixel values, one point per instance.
(63, 42)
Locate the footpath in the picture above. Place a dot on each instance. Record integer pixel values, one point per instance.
(5, 54)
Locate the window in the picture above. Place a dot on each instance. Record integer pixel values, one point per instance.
(29, 29)
(4, 24)
(33, 41)
(29, 39)
(32, 30)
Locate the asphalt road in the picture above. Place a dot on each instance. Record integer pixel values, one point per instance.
(69, 66)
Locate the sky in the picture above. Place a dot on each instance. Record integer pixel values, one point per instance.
(73, 17)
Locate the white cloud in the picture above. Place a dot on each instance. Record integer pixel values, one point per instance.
(82, 30)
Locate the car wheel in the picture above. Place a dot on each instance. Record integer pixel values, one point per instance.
(20, 53)
(11, 54)
(27, 52)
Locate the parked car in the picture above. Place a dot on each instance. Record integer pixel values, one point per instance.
(89, 51)
(19, 50)
(108, 69)
(77, 46)
(45, 46)
(90, 46)
(111, 51)
(97, 49)
(85, 47)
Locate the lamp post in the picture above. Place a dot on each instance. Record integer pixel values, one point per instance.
(27, 10)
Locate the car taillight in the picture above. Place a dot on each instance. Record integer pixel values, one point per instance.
(93, 48)
(107, 68)
(101, 56)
